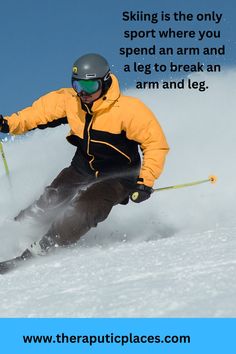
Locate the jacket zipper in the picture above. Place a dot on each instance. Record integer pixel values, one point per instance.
(89, 116)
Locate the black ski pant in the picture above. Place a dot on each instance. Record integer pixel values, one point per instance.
(74, 203)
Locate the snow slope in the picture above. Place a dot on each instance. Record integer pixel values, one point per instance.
(172, 256)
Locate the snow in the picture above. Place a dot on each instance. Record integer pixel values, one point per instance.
(172, 256)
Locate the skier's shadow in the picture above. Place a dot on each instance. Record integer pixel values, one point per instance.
(105, 237)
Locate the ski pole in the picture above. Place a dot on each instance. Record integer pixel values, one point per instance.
(211, 179)
(4, 160)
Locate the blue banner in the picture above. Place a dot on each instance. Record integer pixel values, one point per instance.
(177, 336)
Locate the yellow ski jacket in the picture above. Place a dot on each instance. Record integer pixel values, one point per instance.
(107, 135)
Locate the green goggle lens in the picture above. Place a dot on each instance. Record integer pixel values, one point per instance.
(88, 86)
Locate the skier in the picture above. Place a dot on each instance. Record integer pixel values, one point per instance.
(107, 128)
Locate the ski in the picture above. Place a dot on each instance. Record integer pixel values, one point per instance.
(11, 264)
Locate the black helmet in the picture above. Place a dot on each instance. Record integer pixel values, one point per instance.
(91, 66)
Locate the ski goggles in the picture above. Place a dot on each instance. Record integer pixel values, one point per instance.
(87, 86)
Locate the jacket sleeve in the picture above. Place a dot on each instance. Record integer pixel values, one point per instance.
(47, 111)
(143, 127)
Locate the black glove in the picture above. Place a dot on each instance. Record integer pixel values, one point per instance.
(1, 122)
(4, 128)
(140, 193)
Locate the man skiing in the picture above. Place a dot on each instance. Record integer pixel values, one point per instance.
(107, 128)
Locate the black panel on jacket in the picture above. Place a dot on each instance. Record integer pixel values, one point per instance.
(53, 124)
